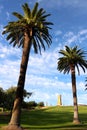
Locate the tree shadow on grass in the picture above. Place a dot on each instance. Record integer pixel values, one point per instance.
(45, 119)
(48, 119)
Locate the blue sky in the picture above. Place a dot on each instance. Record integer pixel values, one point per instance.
(43, 78)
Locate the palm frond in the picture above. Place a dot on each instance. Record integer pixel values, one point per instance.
(35, 9)
(27, 11)
(35, 45)
(19, 16)
(38, 44)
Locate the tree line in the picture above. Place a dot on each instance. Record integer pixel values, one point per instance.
(7, 99)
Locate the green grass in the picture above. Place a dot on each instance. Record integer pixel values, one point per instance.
(51, 118)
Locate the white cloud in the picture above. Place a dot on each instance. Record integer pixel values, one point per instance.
(8, 15)
(69, 38)
(1, 29)
(9, 67)
(67, 98)
(1, 7)
(9, 73)
(57, 33)
(82, 98)
(77, 38)
(6, 51)
(82, 32)
(2, 55)
(44, 64)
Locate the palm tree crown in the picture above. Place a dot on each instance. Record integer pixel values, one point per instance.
(34, 23)
(72, 56)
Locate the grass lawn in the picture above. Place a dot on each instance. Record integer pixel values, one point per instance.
(51, 118)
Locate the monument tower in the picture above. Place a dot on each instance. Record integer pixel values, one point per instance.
(59, 100)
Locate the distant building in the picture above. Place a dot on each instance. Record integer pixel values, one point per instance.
(59, 100)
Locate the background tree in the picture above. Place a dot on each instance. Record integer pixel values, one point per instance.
(31, 29)
(7, 97)
(2, 97)
(41, 104)
(32, 104)
(10, 96)
(72, 58)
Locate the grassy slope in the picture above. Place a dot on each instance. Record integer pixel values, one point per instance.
(51, 118)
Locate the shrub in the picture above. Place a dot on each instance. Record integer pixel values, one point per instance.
(32, 104)
(41, 104)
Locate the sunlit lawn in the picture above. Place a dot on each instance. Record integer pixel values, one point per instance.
(58, 118)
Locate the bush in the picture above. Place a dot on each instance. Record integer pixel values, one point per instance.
(41, 104)
(32, 104)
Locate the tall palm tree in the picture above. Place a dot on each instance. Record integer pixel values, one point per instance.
(72, 58)
(30, 29)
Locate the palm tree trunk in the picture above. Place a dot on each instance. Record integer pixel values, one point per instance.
(16, 112)
(74, 91)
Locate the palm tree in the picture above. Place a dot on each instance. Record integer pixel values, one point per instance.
(30, 29)
(72, 58)
(86, 83)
